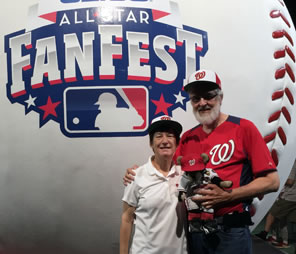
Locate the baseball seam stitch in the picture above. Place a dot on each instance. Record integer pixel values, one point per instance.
(281, 73)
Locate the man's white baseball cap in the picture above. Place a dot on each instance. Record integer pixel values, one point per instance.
(202, 78)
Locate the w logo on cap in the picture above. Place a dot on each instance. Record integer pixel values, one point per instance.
(200, 75)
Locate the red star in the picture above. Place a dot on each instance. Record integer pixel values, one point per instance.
(49, 108)
(161, 105)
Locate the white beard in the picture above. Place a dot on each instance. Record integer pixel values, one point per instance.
(210, 117)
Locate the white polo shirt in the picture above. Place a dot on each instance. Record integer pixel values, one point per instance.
(160, 219)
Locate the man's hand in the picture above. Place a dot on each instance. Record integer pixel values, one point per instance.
(211, 195)
(129, 175)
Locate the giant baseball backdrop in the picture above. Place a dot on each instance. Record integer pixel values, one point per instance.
(80, 82)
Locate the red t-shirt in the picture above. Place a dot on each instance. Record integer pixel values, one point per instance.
(237, 152)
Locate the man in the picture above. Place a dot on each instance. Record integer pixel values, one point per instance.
(284, 210)
(237, 153)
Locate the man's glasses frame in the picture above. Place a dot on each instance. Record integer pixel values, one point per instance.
(206, 96)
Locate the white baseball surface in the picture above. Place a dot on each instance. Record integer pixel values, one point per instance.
(63, 195)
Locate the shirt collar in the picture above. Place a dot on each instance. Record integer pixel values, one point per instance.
(175, 170)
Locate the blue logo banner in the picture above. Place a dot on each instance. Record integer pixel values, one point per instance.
(102, 70)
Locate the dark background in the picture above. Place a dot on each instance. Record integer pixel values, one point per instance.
(292, 9)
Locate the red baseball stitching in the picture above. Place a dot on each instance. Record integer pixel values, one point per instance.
(278, 13)
(282, 33)
(282, 3)
(280, 73)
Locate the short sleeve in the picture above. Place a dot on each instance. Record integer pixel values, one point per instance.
(256, 149)
(131, 194)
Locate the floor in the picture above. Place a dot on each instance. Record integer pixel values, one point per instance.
(260, 244)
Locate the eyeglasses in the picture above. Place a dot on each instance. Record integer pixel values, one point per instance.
(207, 96)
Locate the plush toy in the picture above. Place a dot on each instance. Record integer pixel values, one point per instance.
(196, 176)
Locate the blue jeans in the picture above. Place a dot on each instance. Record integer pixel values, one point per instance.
(225, 241)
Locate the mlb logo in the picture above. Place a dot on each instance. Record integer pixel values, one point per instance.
(106, 111)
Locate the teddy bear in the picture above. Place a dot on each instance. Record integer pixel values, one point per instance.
(196, 176)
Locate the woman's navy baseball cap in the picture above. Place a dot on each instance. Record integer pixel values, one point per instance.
(165, 122)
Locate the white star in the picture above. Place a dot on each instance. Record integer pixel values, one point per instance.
(31, 101)
(179, 98)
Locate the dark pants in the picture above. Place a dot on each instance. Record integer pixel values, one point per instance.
(225, 241)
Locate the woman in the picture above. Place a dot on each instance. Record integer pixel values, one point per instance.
(151, 201)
